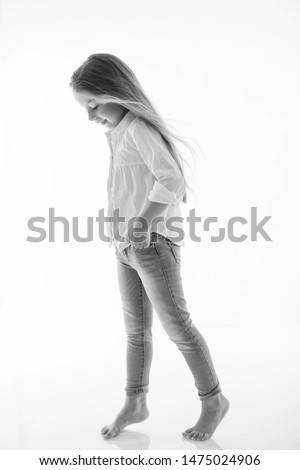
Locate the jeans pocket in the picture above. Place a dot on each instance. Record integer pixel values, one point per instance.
(175, 250)
(151, 244)
(143, 249)
(176, 253)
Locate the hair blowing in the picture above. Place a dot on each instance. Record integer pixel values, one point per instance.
(107, 75)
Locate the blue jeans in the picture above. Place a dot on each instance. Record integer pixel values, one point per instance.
(150, 278)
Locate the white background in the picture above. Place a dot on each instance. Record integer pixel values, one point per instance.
(225, 74)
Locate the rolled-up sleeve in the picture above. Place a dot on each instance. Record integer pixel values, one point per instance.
(169, 185)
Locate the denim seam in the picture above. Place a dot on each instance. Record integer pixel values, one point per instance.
(143, 330)
(178, 314)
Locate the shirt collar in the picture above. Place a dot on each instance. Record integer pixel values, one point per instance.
(123, 124)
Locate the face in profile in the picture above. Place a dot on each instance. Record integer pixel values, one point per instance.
(107, 114)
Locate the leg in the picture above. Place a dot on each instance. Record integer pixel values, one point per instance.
(159, 269)
(138, 314)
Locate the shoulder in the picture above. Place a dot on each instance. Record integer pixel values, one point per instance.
(138, 124)
(142, 131)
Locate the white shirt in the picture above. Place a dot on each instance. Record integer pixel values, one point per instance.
(141, 168)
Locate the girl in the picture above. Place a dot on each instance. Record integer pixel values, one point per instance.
(146, 184)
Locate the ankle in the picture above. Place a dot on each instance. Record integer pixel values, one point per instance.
(136, 400)
(213, 400)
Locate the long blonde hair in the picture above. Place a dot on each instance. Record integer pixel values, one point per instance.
(108, 75)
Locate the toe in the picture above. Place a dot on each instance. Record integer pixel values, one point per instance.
(191, 434)
(104, 429)
(187, 431)
(112, 432)
(195, 436)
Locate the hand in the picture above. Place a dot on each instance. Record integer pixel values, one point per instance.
(138, 245)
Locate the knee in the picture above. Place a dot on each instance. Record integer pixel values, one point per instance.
(139, 337)
(183, 335)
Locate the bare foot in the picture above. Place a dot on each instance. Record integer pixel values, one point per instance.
(213, 411)
(134, 411)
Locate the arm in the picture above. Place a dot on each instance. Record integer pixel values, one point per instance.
(169, 184)
(150, 212)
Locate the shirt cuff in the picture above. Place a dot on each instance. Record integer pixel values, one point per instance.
(160, 193)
